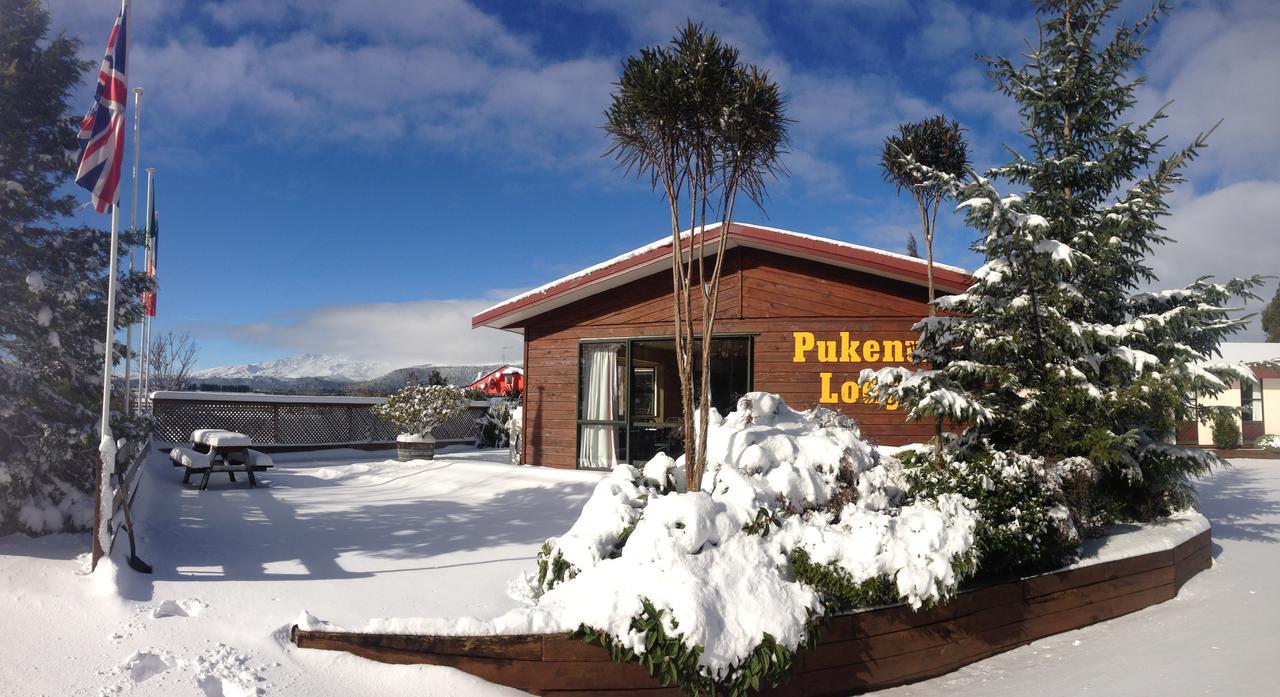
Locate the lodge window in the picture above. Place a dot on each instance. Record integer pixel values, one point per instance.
(629, 395)
(1250, 402)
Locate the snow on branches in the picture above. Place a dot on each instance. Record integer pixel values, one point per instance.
(1053, 352)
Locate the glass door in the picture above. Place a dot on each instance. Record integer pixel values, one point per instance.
(602, 373)
(655, 401)
(629, 396)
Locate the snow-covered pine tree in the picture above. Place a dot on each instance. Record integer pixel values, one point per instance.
(1053, 352)
(52, 288)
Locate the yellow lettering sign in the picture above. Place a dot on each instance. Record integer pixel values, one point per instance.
(804, 344)
(849, 350)
(846, 349)
(850, 392)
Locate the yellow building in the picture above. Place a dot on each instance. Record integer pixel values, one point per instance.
(1259, 402)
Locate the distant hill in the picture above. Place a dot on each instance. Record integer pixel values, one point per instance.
(314, 374)
(307, 365)
(458, 375)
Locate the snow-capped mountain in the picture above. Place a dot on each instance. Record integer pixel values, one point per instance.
(307, 365)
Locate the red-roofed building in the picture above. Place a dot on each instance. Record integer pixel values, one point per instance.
(506, 381)
(798, 315)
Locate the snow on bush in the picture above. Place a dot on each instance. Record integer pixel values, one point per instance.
(417, 409)
(1268, 442)
(796, 516)
(1030, 511)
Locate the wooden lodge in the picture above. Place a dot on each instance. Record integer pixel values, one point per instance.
(798, 315)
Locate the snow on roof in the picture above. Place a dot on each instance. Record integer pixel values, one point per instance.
(504, 370)
(861, 248)
(739, 233)
(1249, 352)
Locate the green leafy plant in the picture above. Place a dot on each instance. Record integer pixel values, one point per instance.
(1025, 526)
(839, 591)
(668, 658)
(1226, 431)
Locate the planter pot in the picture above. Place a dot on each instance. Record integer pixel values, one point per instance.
(415, 448)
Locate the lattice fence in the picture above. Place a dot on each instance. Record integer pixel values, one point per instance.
(291, 422)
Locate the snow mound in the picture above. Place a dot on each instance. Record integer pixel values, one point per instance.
(190, 607)
(225, 672)
(715, 564)
(143, 665)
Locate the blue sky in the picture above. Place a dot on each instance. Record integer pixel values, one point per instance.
(338, 177)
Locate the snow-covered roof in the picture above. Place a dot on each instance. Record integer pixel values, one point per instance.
(649, 258)
(504, 370)
(1249, 352)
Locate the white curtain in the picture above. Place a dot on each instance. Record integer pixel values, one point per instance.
(600, 397)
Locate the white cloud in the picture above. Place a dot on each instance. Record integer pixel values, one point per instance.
(951, 30)
(398, 334)
(1230, 232)
(291, 72)
(1219, 62)
(651, 22)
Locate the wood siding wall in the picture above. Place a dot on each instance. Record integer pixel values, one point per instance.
(769, 296)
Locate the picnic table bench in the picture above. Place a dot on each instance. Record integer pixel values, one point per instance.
(217, 450)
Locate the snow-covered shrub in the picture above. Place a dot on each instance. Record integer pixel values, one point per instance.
(1226, 431)
(418, 409)
(494, 428)
(1269, 442)
(1026, 525)
(797, 517)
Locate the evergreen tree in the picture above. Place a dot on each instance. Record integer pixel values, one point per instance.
(1052, 352)
(913, 248)
(52, 288)
(1271, 318)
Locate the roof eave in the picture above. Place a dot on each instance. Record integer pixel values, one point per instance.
(626, 269)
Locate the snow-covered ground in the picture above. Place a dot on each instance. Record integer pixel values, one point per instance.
(349, 536)
(345, 534)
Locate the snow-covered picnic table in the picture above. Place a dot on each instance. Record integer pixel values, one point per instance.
(217, 450)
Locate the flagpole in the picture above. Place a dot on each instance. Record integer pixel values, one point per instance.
(144, 377)
(102, 495)
(107, 443)
(133, 228)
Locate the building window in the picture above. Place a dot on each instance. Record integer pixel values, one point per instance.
(1250, 402)
(629, 396)
(601, 413)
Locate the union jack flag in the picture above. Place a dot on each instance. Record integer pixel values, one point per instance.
(102, 130)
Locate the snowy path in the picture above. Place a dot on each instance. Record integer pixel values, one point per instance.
(1220, 636)
(349, 537)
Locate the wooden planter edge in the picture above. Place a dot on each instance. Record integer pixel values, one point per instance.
(856, 652)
